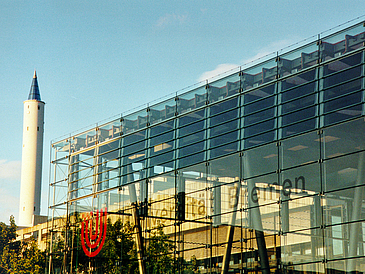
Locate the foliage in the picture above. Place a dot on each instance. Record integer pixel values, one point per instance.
(118, 253)
(117, 256)
(7, 234)
(7, 238)
(26, 259)
(158, 253)
(19, 257)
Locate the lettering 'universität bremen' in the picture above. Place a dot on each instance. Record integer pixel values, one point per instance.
(259, 171)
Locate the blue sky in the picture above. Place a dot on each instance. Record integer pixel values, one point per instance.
(96, 59)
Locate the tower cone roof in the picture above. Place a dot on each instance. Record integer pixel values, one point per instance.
(34, 90)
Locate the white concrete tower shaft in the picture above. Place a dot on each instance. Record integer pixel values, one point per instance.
(32, 153)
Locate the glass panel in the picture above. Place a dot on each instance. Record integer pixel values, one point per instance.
(300, 127)
(341, 77)
(261, 190)
(161, 168)
(135, 121)
(259, 139)
(134, 138)
(298, 91)
(109, 130)
(299, 115)
(223, 150)
(343, 64)
(342, 90)
(192, 159)
(224, 128)
(223, 139)
(84, 140)
(260, 128)
(302, 246)
(296, 105)
(342, 102)
(59, 169)
(161, 148)
(220, 89)
(163, 158)
(191, 118)
(318, 268)
(298, 59)
(60, 190)
(259, 94)
(342, 42)
(161, 128)
(192, 128)
(224, 117)
(299, 150)
(162, 212)
(61, 149)
(343, 238)
(196, 201)
(135, 149)
(259, 161)
(343, 114)
(224, 106)
(162, 111)
(300, 213)
(345, 205)
(160, 139)
(134, 169)
(161, 197)
(194, 148)
(194, 174)
(192, 100)
(221, 173)
(163, 185)
(125, 201)
(191, 139)
(110, 149)
(346, 265)
(264, 218)
(259, 74)
(344, 172)
(301, 181)
(344, 138)
(259, 116)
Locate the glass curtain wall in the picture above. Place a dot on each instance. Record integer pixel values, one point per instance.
(261, 171)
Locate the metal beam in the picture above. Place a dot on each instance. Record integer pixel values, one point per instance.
(230, 232)
(137, 224)
(356, 214)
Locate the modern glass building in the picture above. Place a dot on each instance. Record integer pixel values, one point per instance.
(260, 171)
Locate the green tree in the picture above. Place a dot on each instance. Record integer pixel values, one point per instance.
(16, 256)
(7, 234)
(28, 258)
(7, 242)
(118, 254)
(159, 253)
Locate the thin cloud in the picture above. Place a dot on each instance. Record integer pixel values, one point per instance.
(269, 49)
(169, 19)
(265, 51)
(222, 68)
(9, 169)
(9, 205)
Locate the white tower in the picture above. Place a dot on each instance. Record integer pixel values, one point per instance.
(31, 176)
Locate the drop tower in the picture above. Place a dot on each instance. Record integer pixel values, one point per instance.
(31, 172)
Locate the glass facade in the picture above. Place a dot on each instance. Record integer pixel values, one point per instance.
(261, 171)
